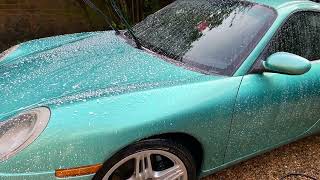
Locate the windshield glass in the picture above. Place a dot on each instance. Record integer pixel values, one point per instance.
(213, 35)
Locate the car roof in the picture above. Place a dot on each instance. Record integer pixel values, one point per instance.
(282, 3)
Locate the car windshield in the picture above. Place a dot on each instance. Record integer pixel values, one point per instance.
(212, 35)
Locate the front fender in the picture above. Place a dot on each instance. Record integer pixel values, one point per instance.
(89, 132)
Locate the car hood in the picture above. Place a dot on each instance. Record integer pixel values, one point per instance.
(71, 67)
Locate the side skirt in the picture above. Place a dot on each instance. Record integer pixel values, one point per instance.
(313, 130)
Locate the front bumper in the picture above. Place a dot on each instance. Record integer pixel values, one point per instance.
(39, 176)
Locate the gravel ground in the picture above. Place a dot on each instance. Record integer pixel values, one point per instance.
(299, 157)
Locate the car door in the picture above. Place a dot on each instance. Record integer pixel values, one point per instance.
(272, 108)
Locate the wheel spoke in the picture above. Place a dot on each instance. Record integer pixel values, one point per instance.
(174, 173)
(143, 168)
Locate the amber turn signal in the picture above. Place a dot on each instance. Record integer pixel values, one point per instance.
(78, 171)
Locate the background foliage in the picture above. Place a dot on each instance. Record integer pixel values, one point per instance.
(22, 20)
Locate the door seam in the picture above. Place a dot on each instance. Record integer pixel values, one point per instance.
(232, 119)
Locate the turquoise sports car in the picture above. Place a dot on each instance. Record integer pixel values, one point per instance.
(194, 88)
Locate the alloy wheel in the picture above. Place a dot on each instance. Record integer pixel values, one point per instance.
(148, 165)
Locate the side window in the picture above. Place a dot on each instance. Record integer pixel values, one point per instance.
(300, 35)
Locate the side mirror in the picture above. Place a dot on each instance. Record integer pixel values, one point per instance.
(286, 63)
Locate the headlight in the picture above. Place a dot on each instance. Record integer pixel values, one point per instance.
(20, 131)
(7, 52)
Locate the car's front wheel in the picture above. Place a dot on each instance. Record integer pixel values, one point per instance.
(155, 159)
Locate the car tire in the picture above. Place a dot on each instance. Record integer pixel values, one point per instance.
(164, 151)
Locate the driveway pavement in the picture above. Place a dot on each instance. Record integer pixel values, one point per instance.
(299, 157)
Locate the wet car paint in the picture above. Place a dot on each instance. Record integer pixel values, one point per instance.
(92, 122)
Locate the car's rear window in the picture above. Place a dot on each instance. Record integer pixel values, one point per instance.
(213, 35)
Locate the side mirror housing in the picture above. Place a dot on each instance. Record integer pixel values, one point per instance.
(286, 63)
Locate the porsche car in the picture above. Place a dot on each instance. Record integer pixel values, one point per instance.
(194, 88)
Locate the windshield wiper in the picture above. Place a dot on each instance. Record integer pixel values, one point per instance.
(98, 11)
(123, 19)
